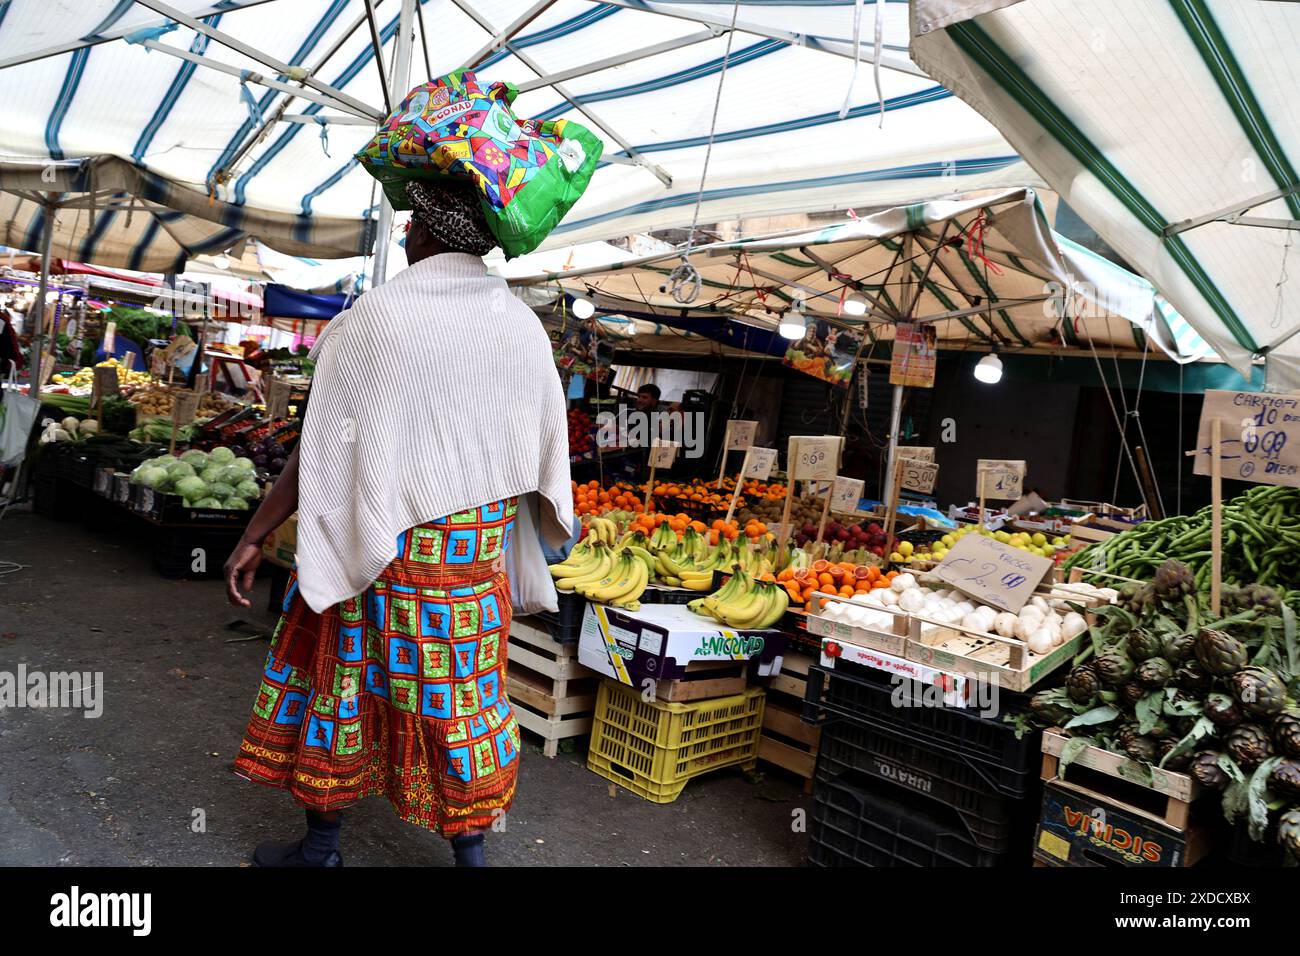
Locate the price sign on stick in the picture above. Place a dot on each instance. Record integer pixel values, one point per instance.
(814, 457)
(845, 494)
(110, 338)
(1000, 479)
(993, 572)
(1260, 436)
(919, 452)
(759, 463)
(277, 399)
(918, 475)
(158, 363)
(740, 434)
(103, 385)
(184, 406)
(663, 455)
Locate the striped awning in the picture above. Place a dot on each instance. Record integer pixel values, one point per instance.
(1169, 126)
(260, 104)
(987, 272)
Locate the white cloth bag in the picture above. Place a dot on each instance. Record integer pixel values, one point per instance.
(16, 424)
(531, 586)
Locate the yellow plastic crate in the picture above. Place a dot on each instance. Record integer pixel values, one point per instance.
(653, 748)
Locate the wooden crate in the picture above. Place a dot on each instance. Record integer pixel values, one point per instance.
(703, 680)
(553, 695)
(786, 740)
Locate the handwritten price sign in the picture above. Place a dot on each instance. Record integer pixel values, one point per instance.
(996, 478)
(814, 457)
(740, 434)
(759, 463)
(919, 476)
(1257, 442)
(277, 399)
(917, 452)
(184, 406)
(845, 494)
(663, 455)
(103, 385)
(993, 572)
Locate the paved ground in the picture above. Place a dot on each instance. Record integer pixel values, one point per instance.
(124, 789)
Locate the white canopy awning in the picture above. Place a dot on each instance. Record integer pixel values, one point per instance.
(1169, 126)
(260, 104)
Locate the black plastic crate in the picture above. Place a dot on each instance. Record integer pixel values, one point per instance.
(857, 821)
(995, 809)
(868, 697)
(174, 554)
(668, 595)
(565, 626)
(46, 499)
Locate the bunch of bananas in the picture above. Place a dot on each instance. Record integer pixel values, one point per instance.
(744, 603)
(603, 530)
(604, 574)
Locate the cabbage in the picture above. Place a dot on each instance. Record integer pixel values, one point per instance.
(232, 474)
(191, 488)
(196, 458)
(219, 489)
(244, 464)
(221, 455)
(162, 460)
(248, 489)
(212, 473)
(206, 503)
(180, 469)
(155, 478)
(236, 503)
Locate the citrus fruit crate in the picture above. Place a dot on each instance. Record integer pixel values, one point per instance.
(653, 748)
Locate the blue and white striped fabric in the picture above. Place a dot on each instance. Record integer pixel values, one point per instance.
(78, 79)
(1146, 117)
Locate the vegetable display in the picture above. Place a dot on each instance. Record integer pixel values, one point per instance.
(219, 479)
(1261, 537)
(1170, 684)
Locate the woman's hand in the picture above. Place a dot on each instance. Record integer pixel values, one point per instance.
(240, 569)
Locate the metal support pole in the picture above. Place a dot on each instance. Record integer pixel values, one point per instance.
(401, 76)
(38, 335)
(895, 418)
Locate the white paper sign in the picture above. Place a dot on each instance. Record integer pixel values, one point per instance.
(759, 462)
(277, 399)
(814, 457)
(919, 452)
(103, 384)
(997, 478)
(740, 434)
(993, 572)
(662, 455)
(184, 405)
(845, 494)
(919, 475)
(1259, 436)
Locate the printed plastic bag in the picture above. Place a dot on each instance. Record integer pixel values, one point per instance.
(531, 586)
(529, 173)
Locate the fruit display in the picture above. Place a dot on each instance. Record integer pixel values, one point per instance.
(702, 498)
(156, 400)
(592, 498)
(744, 602)
(844, 578)
(580, 429)
(1033, 543)
(870, 536)
(82, 381)
(603, 573)
(1170, 684)
(220, 479)
(1261, 534)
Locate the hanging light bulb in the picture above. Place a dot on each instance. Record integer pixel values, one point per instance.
(989, 369)
(583, 308)
(855, 305)
(793, 323)
(221, 262)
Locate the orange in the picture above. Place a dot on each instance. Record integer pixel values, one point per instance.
(826, 581)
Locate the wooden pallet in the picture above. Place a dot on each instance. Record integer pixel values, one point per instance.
(703, 680)
(787, 741)
(1178, 789)
(552, 694)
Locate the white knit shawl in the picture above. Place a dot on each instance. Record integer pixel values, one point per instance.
(433, 393)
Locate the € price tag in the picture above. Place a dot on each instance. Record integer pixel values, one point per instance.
(184, 406)
(919, 452)
(663, 455)
(759, 463)
(1255, 442)
(740, 434)
(814, 457)
(919, 475)
(996, 478)
(845, 494)
(990, 571)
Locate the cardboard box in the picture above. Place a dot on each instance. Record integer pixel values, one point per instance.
(660, 640)
(955, 687)
(282, 546)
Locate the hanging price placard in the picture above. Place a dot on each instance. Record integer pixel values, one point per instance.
(277, 399)
(814, 457)
(990, 571)
(919, 475)
(845, 494)
(759, 463)
(996, 478)
(740, 434)
(663, 455)
(184, 406)
(919, 452)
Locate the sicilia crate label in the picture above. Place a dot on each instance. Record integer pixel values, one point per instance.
(1075, 827)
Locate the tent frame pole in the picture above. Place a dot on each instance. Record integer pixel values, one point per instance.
(504, 36)
(402, 44)
(38, 335)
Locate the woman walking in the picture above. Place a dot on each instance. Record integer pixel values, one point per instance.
(435, 406)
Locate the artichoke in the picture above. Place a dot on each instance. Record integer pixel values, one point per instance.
(1132, 692)
(1173, 580)
(1192, 677)
(1248, 744)
(1288, 831)
(1143, 749)
(1178, 648)
(1223, 710)
(1181, 762)
(1259, 691)
(1155, 672)
(1082, 684)
(1220, 654)
(1285, 779)
(1286, 733)
(1253, 597)
(1142, 645)
(1043, 705)
(1205, 768)
(1137, 599)
(1113, 666)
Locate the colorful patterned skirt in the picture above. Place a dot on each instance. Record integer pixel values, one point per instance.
(400, 690)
